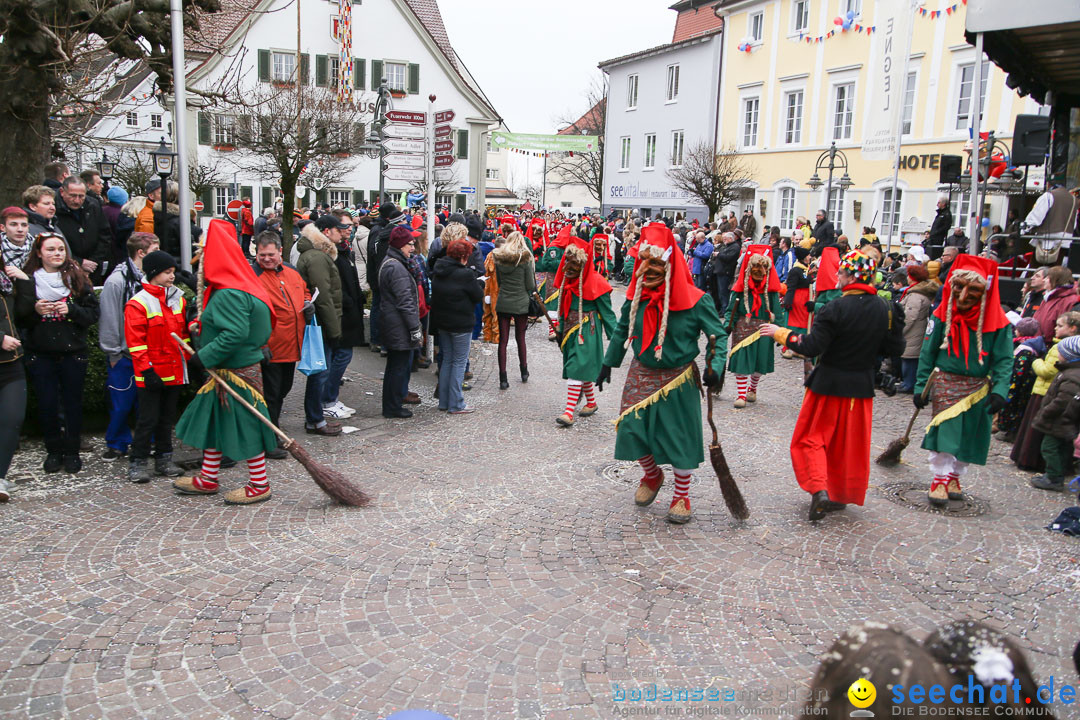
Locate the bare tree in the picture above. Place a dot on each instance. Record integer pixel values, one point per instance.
(202, 177)
(133, 170)
(714, 178)
(583, 168)
(448, 185)
(293, 131)
(44, 42)
(523, 186)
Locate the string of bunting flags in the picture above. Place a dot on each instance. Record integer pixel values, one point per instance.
(848, 23)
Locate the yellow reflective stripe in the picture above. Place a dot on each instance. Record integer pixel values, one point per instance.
(139, 378)
(167, 379)
(137, 348)
(140, 301)
(152, 314)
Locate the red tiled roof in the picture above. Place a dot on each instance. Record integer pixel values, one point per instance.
(695, 21)
(431, 18)
(592, 119)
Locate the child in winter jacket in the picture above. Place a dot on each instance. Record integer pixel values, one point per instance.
(1059, 417)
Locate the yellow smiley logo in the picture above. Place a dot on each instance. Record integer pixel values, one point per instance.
(862, 693)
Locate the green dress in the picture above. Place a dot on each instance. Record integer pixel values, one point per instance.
(967, 435)
(235, 326)
(549, 263)
(755, 356)
(582, 360)
(823, 298)
(667, 424)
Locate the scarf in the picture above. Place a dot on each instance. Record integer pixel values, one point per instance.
(16, 255)
(856, 288)
(414, 268)
(50, 286)
(6, 286)
(757, 290)
(959, 333)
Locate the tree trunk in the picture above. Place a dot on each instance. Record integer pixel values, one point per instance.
(288, 203)
(24, 141)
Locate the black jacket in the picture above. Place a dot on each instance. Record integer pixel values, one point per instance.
(87, 231)
(378, 242)
(352, 299)
(455, 291)
(725, 260)
(51, 337)
(399, 306)
(850, 334)
(940, 228)
(796, 280)
(823, 233)
(167, 228)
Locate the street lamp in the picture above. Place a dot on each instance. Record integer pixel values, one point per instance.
(163, 159)
(105, 168)
(832, 159)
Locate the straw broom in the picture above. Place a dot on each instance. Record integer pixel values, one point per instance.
(734, 500)
(332, 482)
(891, 456)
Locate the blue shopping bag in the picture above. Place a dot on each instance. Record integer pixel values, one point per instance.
(312, 353)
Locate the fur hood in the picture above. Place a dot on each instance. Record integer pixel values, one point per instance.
(508, 256)
(928, 288)
(316, 240)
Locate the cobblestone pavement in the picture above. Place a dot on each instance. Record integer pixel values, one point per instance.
(503, 570)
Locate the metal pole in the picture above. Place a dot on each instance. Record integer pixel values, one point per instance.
(543, 185)
(429, 167)
(894, 210)
(983, 187)
(976, 128)
(381, 119)
(180, 129)
(828, 188)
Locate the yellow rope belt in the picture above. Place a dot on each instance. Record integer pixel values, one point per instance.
(552, 296)
(959, 408)
(657, 396)
(747, 342)
(231, 377)
(571, 331)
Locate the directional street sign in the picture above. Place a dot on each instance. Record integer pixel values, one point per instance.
(409, 118)
(444, 161)
(394, 145)
(444, 146)
(443, 175)
(404, 131)
(444, 116)
(467, 190)
(442, 131)
(405, 160)
(409, 174)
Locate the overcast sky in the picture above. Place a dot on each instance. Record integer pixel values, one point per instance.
(535, 60)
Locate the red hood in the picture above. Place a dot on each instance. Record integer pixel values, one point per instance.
(225, 268)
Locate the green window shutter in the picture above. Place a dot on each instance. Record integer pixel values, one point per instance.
(267, 198)
(460, 202)
(357, 197)
(264, 66)
(305, 69)
(373, 197)
(322, 70)
(359, 65)
(245, 191)
(414, 79)
(463, 144)
(321, 196)
(208, 202)
(376, 74)
(204, 128)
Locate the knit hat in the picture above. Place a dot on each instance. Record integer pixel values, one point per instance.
(1026, 327)
(153, 184)
(400, 237)
(859, 266)
(389, 212)
(1069, 349)
(117, 195)
(801, 253)
(157, 262)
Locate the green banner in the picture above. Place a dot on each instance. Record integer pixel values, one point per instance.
(550, 143)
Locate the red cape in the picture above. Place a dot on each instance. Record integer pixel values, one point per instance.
(562, 239)
(225, 268)
(995, 317)
(827, 269)
(529, 234)
(774, 279)
(607, 243)
(683, 293)
(594, 284)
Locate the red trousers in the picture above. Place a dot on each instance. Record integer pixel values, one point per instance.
(830, 448)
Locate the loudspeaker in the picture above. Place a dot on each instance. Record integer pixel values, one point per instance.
(951, 167)
(1031, 139)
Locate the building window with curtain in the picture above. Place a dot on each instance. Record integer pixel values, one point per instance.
(890, 211)
(650, 151)
(909, 104)
(222, 197)
(751, 107)
(395, 75)
(964, 96)
(672, 83)
(631, 91)
(793, 107)
(757, 26)
(787, 208)
(836, 206)
(800, 16)
(283, 67)
(624, 160)
(678, 138)
(843, 111)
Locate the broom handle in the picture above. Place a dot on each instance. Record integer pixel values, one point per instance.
(228, 388)
(925, 392)
(710, 353)
(551, 323)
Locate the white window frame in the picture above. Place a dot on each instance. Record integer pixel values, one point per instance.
(673, 82)
(624, 157)
(960, 208)
(334, 197)
(755, 27)
(678, 148)
(792, 135)
(224, 130)
(282, 67)
(800, 25)
(491, 173)
(843, 119)
(131, 118)
(223, 195)
(746, 141)
(157, 122)
(847, 6)
(962, 122)
(650, 151)
(890, 226)
(907, 112)
(787, 224)
(838, 199)
(333, 70)
(398, 68)
(632, 91)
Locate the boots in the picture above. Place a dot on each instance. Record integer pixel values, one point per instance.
(503, 382)
(139, 470)
(524, 373)
(163, 465)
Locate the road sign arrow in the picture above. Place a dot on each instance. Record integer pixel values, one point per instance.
(410, 174)
(405, 160)
(394, 145)
(409, 118)
(443, 131)
(444, 116)
(404, 131)
(443, 161)
(444, 146)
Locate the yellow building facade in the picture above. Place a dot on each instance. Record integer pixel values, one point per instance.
(786, 100)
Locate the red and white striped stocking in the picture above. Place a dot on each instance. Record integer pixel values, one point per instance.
(741, 383)
(652, 470)
(590, 395)
(208, 475)
(754, 380)
(682, 483)
(573, 394)
(257, 482)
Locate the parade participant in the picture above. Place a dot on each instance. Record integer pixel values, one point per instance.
(549, 263)
(235, 323)
(799, 285)
(830, 448)
(825, 282)
(585, 314)
(602, 258)
(754, 300)
(969, 342)
(631, 236)
(660, 418)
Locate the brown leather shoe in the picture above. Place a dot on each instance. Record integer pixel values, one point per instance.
(329, 430)
(411, 399)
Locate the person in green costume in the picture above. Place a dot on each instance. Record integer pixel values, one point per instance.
(968, 347)
(585, 314)
(660, 418)
(755, 299)
(549, 263)
(234, 324)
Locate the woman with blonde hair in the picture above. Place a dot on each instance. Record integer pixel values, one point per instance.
(515, 274)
